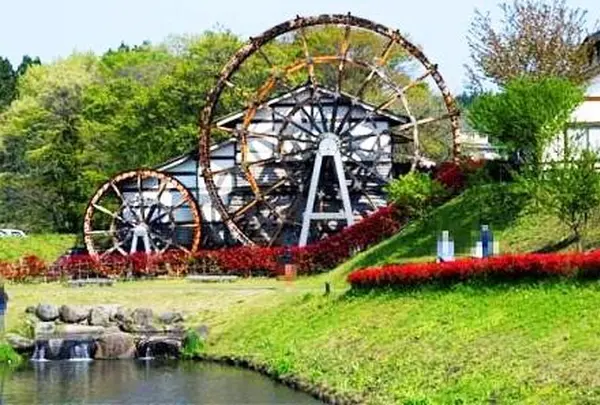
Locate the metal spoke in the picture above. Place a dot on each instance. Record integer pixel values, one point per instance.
(292, 122)
(321, 112)
(170, 211)
(118, 246)
(301, 103)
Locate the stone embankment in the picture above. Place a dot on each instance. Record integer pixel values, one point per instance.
(100, 332)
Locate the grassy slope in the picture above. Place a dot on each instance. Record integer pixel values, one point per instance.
(523, 344)
(48, 246)
(516, 229)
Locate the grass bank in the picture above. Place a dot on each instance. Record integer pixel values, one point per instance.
(46, 246)
(516, 227)
(518, 344)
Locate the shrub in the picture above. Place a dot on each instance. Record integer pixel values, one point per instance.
(507, 267)
(415, 192)
(8, 355)
(193, 345)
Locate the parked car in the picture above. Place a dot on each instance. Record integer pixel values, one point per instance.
(7, 233)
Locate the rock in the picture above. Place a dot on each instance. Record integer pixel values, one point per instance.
(159, 346)
(80, 332)
(30, 309)
(177, 329)
(73, 314)
(112, 309)
(44, 328)
(169, 318)
(112, 329)
(46, 312)
(19, 343)
(99, 316)
(142, 316)
(131, 327)
(115, 346)
(122, 315)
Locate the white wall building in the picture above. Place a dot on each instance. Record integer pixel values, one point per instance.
(367, 161)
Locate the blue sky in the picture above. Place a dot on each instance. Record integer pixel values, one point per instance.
(54, 28)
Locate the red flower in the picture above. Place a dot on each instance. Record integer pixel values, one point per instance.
(508, 267)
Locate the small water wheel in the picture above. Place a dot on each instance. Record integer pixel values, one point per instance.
(141, 211)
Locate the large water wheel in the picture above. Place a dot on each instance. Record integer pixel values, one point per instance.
(323, 157)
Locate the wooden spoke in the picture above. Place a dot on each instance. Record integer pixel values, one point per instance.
(423, 121)
(161, 189)
(241, 211)
(109, 213)
(344, 48)
(309, 62)
(418, 80)
(368, 116)
(387, 52)
(117, 191)
(101, 232)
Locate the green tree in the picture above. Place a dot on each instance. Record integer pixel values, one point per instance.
(41, 136)
(7, 83)
(415, 192)
(570, 190)
(527, 115)
(27, 62)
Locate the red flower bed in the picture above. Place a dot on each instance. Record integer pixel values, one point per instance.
(507, 267)
(244, 260)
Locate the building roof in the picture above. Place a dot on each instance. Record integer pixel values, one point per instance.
(231, 120)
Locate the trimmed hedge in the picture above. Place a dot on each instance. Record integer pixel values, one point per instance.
(501, 268)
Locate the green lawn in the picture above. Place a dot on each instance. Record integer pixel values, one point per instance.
(47, 246)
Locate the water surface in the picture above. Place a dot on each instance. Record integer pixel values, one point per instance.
(141, 382)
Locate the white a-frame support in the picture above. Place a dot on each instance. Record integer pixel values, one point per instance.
(328, 146)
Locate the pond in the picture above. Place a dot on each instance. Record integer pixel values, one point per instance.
(141, 382)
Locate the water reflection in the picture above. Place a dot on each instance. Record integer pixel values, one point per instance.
(141, 382)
